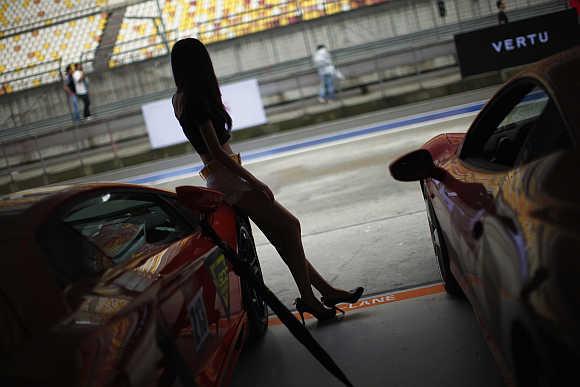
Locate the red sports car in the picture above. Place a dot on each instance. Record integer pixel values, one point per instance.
(115, 284)
(503, 205)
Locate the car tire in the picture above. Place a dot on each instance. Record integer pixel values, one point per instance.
(255, 306)
(529, 369)
(548, 364)
(441, 253)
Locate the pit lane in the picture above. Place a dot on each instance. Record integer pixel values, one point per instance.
(406, 338)
(359, 227)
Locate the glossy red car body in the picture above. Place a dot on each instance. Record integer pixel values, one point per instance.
(503, 204)
(166, 307)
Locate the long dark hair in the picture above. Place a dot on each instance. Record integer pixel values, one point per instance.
(195, 77)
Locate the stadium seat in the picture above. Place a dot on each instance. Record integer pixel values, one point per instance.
(212, 20)
(38, 51)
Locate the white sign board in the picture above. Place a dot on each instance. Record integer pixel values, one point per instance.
(241, 99)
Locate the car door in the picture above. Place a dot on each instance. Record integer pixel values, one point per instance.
(510, 250)
(207, 323)
(134, 267)
(489, 152)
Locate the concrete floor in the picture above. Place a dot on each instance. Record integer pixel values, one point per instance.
(431, 341)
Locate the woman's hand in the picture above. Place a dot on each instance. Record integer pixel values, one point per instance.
(259, 186)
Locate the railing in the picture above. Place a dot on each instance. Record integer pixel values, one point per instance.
(295, 10)
(53, 73)
(33, 72)
(290, 12)
(304, 82)
(169, 38)
(372, 56)
(50, 20)
(87, 57)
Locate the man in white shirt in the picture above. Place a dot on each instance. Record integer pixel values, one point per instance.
(69, 88)
(323, 63)
(82, 90)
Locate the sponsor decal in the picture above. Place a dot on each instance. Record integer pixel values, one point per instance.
(519, 42)
(198, 317)
(218, 268)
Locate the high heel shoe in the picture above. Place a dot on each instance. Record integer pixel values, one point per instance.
(326, 315)
(353, 297)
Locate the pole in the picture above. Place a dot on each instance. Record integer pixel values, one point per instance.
(301, 93)
(380, 76)
(162, 34)
(44, 171)
(78, 146)
(12, 174)
(118, 160)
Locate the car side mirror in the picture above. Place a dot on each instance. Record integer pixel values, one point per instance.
(416, 165)
(199, 200)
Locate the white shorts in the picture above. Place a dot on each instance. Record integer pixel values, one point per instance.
(222, 179)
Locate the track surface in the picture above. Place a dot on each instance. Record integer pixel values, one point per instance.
(359, 226)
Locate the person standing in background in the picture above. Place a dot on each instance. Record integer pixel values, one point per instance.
(69, 88)
(323, 63)
(501, 16)
(82, 89)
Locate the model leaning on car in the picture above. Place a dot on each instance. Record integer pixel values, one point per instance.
(115, 285)
(503, 208)
(198, 106)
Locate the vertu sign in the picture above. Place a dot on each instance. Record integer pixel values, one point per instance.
(516, 43)
(521, 42)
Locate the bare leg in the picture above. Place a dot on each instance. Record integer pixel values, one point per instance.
(283, 230)
(322, 285)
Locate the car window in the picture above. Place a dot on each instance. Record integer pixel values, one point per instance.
(496, 141)
(549, 135)
(530, 107)
(106, 230)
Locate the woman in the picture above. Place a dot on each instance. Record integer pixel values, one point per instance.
(198, 107)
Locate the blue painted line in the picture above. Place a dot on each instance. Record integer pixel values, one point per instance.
(318, 141)
(422, 118)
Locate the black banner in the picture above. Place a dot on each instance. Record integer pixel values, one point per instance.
(516, 43)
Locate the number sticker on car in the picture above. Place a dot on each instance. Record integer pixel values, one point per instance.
(198, 316)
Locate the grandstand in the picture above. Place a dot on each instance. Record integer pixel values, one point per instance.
(385, 49)
(39, 37)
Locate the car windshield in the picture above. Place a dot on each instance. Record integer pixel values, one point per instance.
(119, 228)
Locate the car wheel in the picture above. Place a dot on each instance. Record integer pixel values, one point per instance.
(528, 366)
(449, 282)
(255, 306)
(547, 365)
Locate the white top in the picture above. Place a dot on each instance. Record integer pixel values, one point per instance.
(80, 84)
(323, 62)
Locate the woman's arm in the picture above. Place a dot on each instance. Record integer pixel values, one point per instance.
(218, 154)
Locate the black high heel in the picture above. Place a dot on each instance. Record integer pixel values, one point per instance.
(327, 315)
(353, 297)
